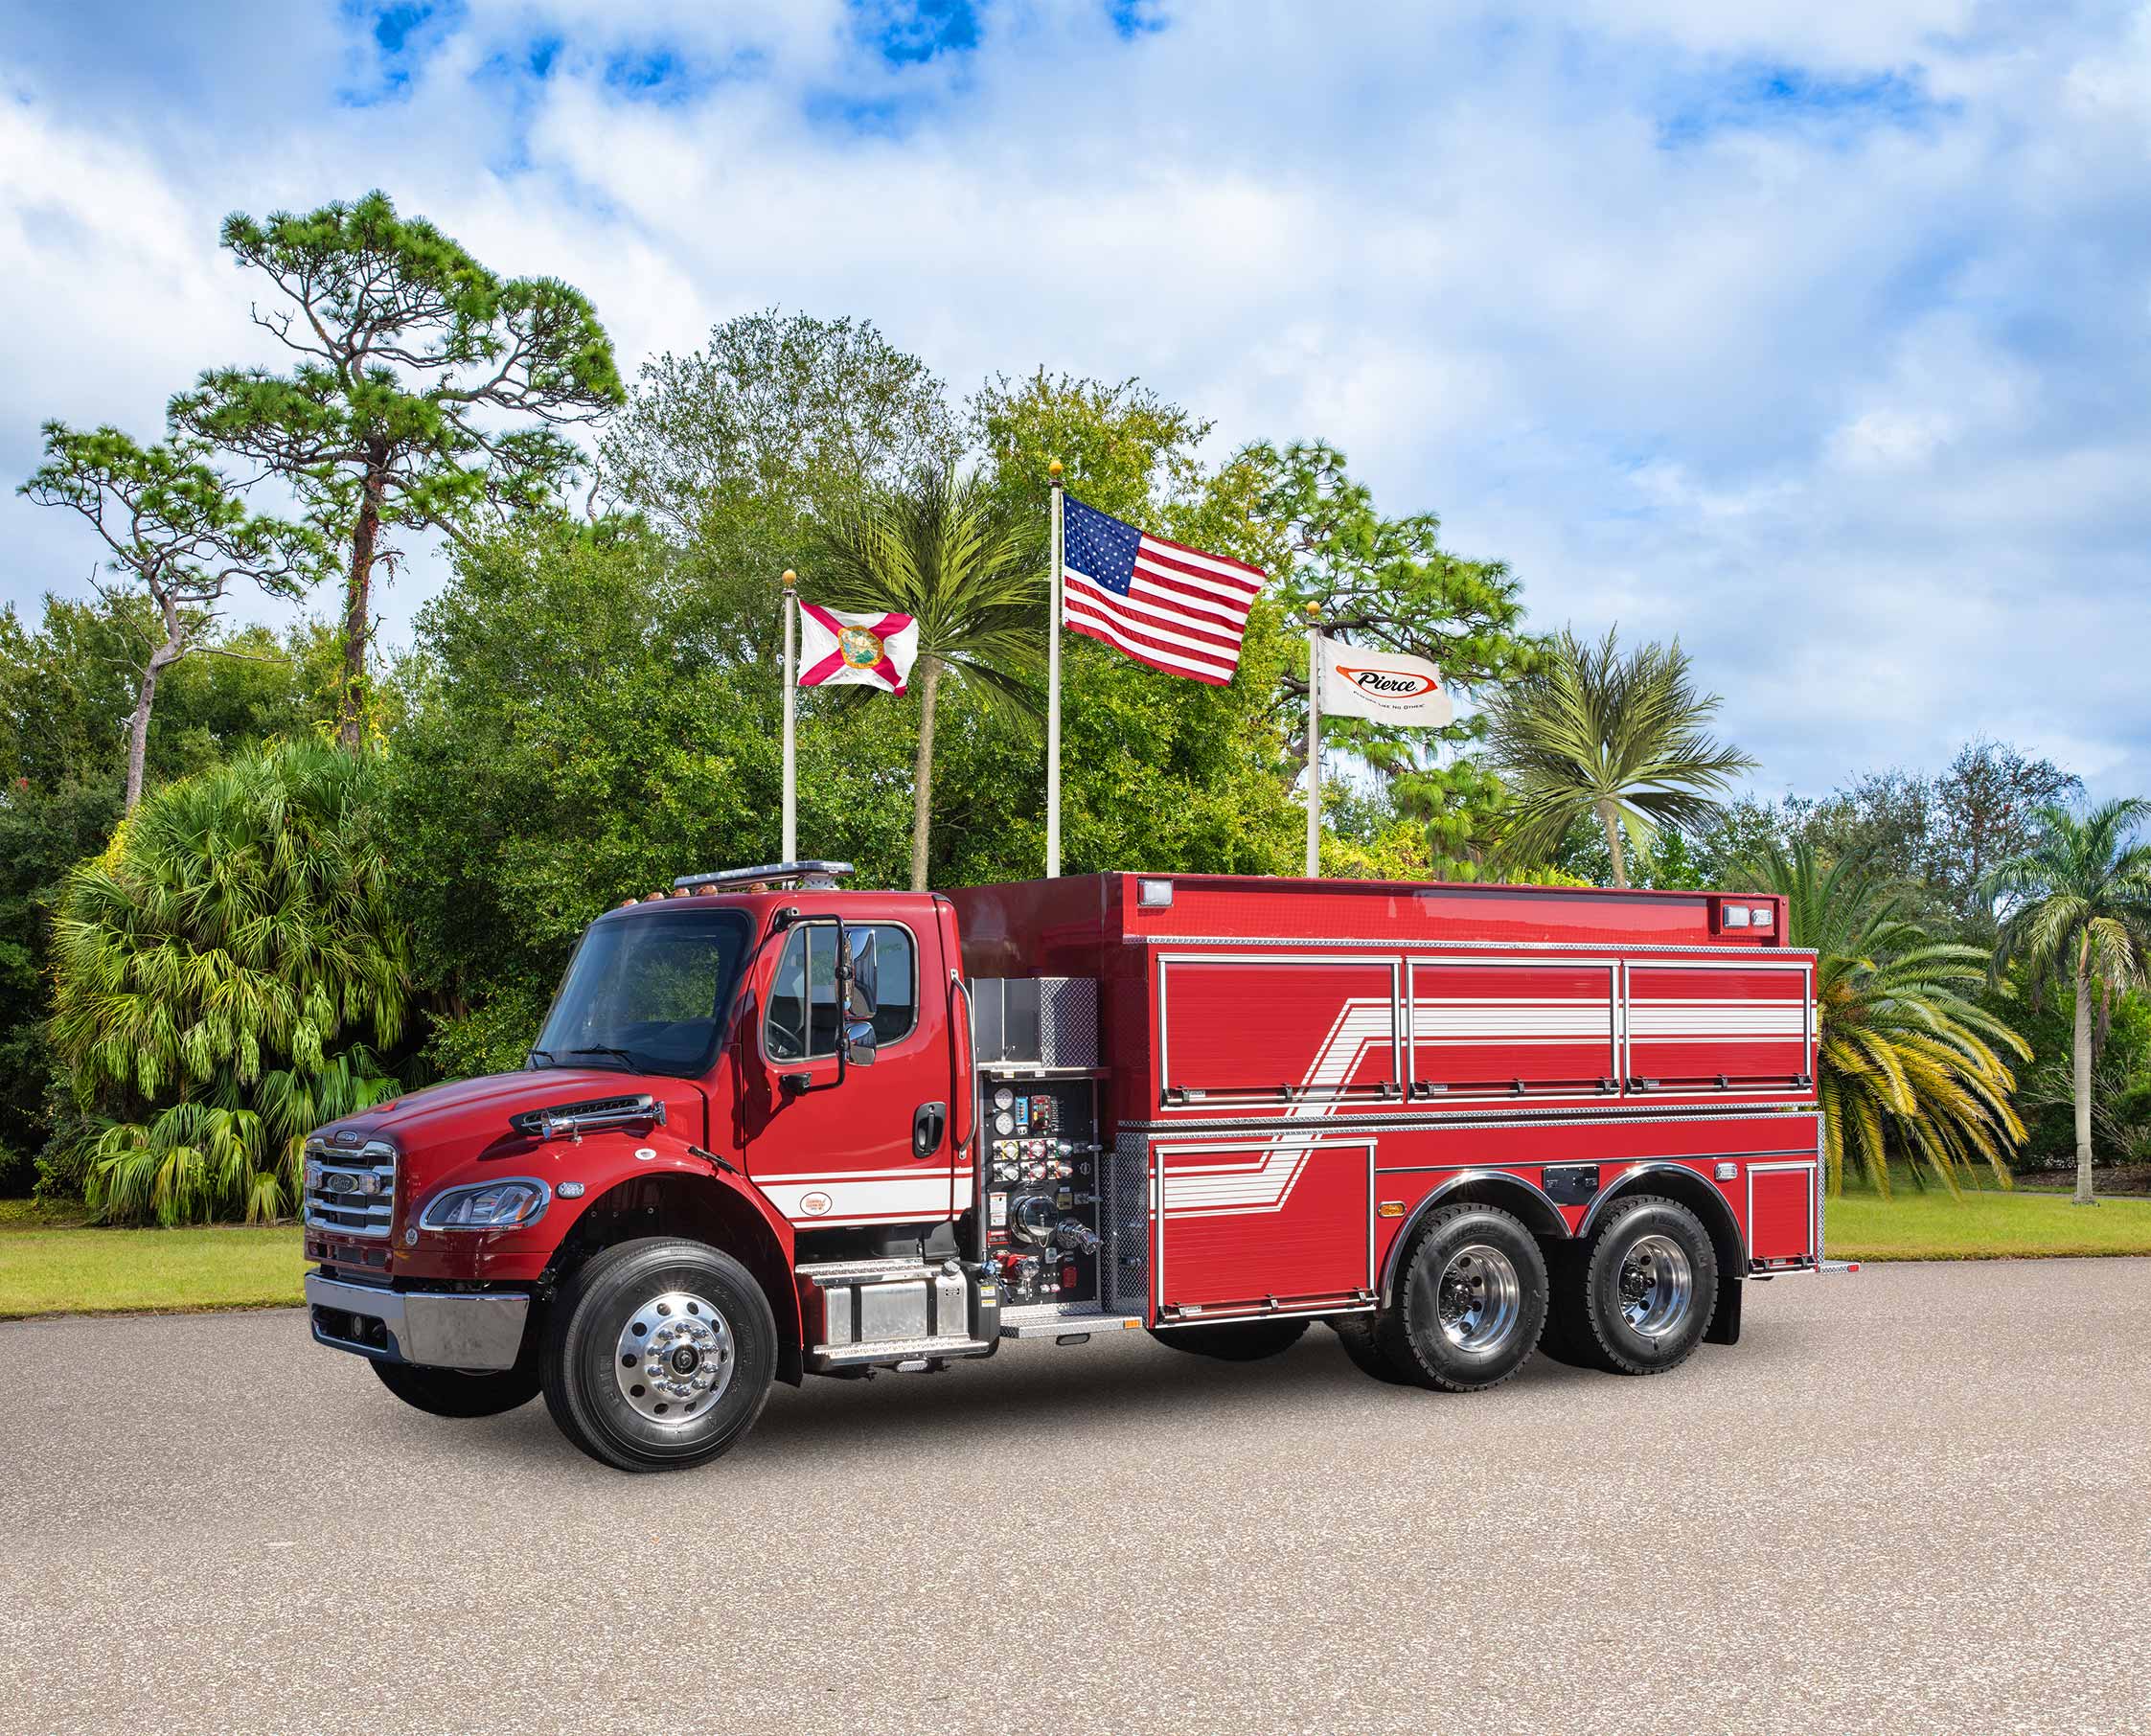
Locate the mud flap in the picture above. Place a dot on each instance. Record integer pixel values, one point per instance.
(1725, 1318)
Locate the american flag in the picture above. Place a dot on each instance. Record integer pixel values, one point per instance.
(1164, 604)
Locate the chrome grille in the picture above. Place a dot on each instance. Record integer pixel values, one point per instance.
(352, 1192)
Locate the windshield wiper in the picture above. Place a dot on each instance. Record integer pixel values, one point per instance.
(627, 1063)
(541, 1054)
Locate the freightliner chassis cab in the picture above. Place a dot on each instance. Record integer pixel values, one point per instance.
(774, 1127)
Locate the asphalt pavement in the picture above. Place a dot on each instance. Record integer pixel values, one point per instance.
(1915, 1500)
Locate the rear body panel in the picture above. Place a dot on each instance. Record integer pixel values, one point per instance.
(1309, 1066)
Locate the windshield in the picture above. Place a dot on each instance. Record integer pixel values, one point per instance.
(647, 993)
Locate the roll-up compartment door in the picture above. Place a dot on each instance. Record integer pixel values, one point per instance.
(1510, 1029)
(1277, 1030)
(1262, 1225)
(1731, 1027)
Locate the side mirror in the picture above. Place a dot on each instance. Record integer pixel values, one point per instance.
(861, 975)
(859, 1042)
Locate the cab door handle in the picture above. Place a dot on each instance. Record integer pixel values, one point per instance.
(928, 1125)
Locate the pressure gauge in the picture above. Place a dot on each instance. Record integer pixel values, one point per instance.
(1004, 1123)
(1004, 1098)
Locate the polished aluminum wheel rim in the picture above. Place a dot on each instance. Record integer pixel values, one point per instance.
(1477, 1297)
(1658, 1285)
(675, 1359)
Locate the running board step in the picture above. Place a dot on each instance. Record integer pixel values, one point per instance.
(894, 1350)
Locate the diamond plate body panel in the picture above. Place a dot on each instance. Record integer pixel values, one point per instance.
(1036, 1021)
(1126, 1209)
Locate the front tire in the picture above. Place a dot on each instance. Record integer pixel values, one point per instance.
(1470, 1302)
(661, 1355)
(450, 1392)
(1234, 1341)
(1637, 1300)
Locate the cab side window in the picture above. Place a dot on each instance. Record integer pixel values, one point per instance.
(897, 995)
(802, 1023)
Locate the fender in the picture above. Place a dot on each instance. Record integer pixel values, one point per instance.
(600, 1165)
(1688, 1185)
(1512, 1193)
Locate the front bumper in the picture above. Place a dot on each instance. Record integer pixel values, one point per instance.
(440, 1328)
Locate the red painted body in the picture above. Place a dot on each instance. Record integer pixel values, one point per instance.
(1305, 1064)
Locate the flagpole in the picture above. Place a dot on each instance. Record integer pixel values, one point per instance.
(791, 851)
(1314, 742)
(1053, 689)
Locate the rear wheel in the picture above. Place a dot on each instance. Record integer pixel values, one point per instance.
(1234, 1340)
(661, 1355)
(1471, 1298)
(1636, 1301)
(450, 1392)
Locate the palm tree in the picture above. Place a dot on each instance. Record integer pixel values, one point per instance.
(2079, 910)
(1622, 738)
(1906, 1057)
(944, 551)
(214, 970)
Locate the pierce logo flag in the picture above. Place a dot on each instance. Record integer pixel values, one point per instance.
(1384, 687)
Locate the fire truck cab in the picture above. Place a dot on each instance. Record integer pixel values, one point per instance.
(775, 1127)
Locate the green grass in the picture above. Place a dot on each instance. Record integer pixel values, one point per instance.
(46, 1270)
(1985, 1225)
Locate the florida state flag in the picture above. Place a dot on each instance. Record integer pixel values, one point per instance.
(837, 648)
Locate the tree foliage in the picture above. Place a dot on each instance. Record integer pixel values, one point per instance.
(173, 527)
(734, 449)
(2077, 908)
(1624, 739)
(946, 553)
(578, 735)
(227, 976)
(426, 390)
(1909, 1061)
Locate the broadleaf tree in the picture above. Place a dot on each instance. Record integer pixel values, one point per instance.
(174, 531)
(426, 390)
(736, 450)
(1389, 583)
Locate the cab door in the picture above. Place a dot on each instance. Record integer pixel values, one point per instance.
(843, 1143)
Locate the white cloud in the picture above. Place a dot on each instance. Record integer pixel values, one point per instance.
(1817, 336)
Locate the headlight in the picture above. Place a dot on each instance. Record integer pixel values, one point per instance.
(508, 1203)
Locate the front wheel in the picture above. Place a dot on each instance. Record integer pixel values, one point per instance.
(661, 1355)
(450, 1392)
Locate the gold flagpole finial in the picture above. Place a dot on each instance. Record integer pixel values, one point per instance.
(1053, 469)
(1314, 611)
(791, 578)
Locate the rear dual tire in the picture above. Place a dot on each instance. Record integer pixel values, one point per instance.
(1469, 1303)
(1636, 1298)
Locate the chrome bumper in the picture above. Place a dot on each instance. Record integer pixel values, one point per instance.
(441, 1328)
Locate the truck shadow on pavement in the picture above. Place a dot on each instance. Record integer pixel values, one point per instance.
(1133, 1382)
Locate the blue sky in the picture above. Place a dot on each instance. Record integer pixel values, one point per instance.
(1820, 336)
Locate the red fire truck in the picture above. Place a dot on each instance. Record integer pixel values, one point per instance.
(774, 1127)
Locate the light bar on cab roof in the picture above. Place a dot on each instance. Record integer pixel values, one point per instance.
(816, 872)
